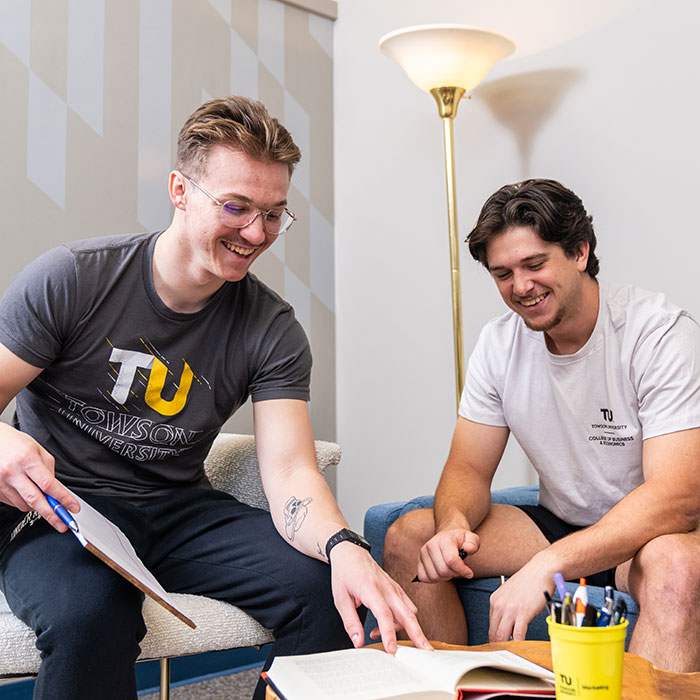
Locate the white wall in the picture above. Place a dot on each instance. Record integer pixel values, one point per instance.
(599, 95)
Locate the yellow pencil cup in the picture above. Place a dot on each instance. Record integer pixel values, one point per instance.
(587, 661)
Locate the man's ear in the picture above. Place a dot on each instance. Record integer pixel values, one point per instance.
(582, 256)
(176, 189)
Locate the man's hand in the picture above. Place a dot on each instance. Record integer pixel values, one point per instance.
(357, 580)
(518, 601)
(27, 469)
(441, 557)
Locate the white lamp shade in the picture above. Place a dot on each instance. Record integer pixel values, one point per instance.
(446, 55)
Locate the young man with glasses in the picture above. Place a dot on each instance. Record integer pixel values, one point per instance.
(126, 355)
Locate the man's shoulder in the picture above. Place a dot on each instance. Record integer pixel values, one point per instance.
(264, 296)
(638, 310)
(100, 244)
(507, 327)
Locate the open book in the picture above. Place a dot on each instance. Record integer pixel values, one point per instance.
(412, 674)
(106, 541)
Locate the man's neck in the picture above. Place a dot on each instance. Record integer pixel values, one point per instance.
(179, 291)
(573, 332)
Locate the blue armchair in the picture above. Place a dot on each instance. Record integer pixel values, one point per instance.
(475, 593)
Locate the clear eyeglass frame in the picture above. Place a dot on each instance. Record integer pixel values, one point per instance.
(226, 217)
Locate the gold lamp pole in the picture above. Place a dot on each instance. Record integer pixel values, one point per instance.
(448, 61)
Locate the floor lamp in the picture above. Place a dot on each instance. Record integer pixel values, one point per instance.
(448, 61)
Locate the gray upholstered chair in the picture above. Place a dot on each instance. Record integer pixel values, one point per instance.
(231, 466)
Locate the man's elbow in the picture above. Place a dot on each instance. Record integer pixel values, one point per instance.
(692, 520)
(688, 515)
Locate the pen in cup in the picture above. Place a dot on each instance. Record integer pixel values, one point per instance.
(619, 611)
(561, 586)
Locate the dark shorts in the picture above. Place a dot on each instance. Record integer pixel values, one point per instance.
(554, 528)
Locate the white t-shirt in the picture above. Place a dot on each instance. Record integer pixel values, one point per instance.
(581, 418)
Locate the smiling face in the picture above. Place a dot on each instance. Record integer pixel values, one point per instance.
(211, 252)
(537, 280)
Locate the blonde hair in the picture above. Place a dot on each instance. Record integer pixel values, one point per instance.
(239, 123)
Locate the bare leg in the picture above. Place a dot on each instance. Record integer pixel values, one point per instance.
(508, 539)
(440, 611)
(664, 579)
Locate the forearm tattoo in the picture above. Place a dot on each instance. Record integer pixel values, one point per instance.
(295, 512)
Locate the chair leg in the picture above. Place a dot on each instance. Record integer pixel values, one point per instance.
(164, 679)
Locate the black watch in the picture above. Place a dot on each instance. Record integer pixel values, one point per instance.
(346, 535)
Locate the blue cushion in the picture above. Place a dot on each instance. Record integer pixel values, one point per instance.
(475, 593)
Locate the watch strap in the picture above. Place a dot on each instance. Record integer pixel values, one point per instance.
(346, 535)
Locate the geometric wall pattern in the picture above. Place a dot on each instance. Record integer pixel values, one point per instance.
(94, 93)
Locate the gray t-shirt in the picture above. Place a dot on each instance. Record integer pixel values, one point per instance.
(132, 393)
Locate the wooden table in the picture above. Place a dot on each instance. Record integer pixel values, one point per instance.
(640, 679)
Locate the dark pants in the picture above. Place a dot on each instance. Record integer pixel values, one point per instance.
(88, 619)
(554, 529)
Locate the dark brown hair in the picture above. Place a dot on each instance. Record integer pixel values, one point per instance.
(551, 210)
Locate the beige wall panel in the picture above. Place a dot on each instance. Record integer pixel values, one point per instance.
(244, 19)
(201, 58)
(121, 109)
(323, 376)
(94, 209)
(101, 170)
(99, 184)
(14, 188)
(309, 78)
(49, 43)
(32, 222)
(297, 254)
(271, 92)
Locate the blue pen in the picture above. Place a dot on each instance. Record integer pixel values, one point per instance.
(607, 610)
(61, 512)
(604, 617)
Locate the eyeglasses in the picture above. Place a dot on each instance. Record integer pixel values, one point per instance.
(240, 214)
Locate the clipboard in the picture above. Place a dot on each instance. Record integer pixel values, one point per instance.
(107, 542)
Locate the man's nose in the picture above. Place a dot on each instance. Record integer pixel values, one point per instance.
(254, 232)
(522, 283)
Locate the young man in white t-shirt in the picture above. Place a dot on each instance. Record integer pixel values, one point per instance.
(600, 385)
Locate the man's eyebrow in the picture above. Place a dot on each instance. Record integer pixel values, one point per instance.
(537, 257)
(247, 200)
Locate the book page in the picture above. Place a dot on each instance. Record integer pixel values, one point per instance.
(453, 665)
(354, 674)
(106, 541)
(489, 679)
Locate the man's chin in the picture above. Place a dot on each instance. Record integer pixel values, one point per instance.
(544, 325)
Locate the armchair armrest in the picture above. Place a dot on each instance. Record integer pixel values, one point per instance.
(232, 466)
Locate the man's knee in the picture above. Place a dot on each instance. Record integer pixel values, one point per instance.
(304, 589)
(666, 569)
(407, 535)
(304, 617)
(75, 623)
